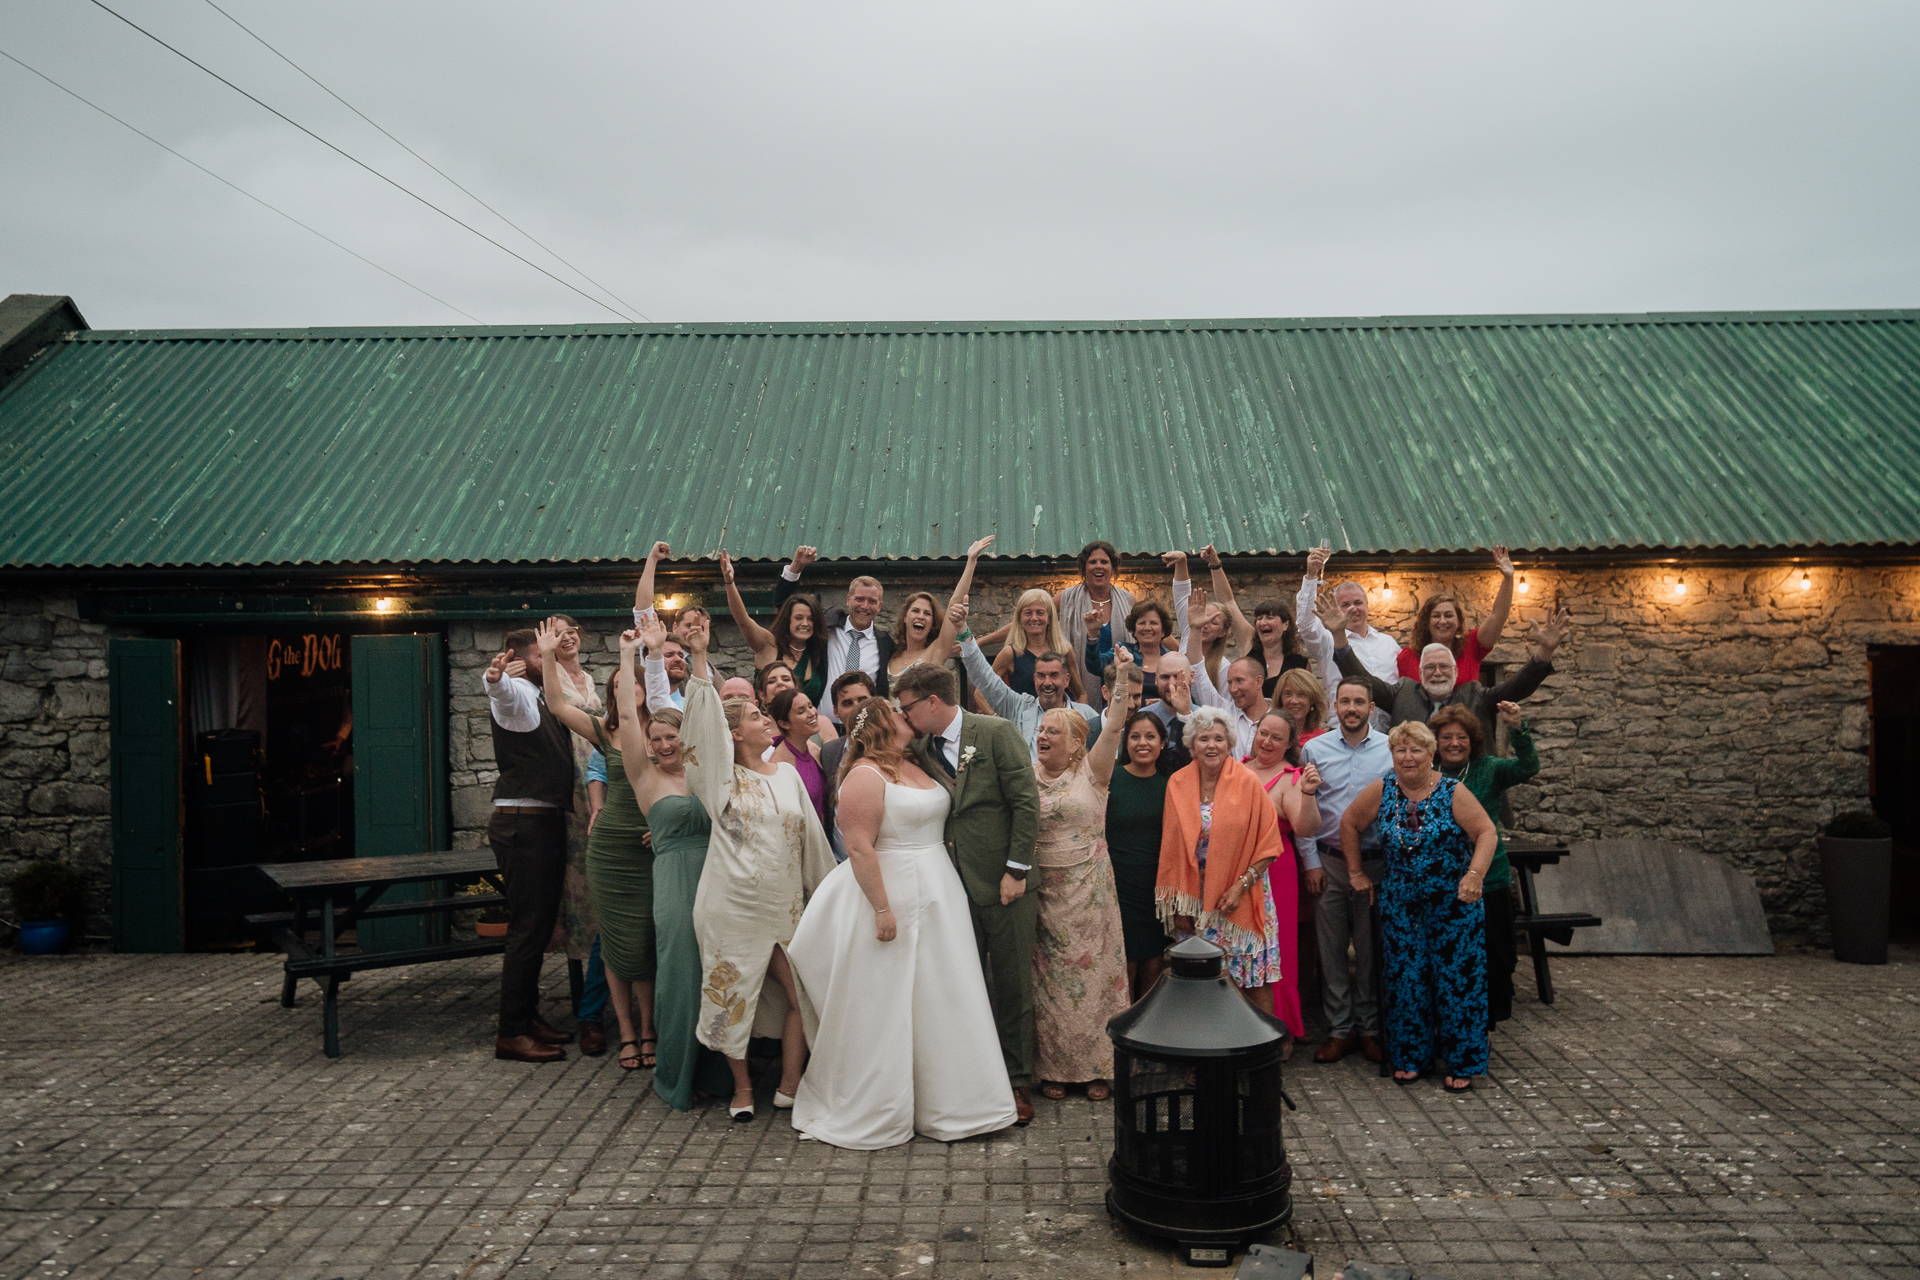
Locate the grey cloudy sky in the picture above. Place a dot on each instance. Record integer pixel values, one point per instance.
(980, 161)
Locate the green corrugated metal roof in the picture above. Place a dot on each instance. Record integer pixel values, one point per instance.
(583, 443)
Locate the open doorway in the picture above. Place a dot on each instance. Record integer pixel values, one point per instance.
(268, 768)
(1893, 683)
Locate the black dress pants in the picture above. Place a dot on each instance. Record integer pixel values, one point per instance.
(531, 848)
(1502, 955)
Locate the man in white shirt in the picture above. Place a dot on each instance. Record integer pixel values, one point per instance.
(1244, 677)
(852, 642)
(1378, 652)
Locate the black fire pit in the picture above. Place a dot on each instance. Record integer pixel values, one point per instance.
(1198, 1155)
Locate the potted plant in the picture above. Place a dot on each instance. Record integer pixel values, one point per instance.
(1856, 865)
(492, 922)
(45, 896)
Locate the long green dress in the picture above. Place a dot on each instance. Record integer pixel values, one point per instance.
(680, 829)
(620, 874)
(1135, 807)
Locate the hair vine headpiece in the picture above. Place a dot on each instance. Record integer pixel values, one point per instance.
(859, 720)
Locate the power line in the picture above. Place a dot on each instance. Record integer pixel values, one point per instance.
(242, 190)
(423, 160)
(361, 163)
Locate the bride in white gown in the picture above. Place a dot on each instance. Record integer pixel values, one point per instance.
(888, 971)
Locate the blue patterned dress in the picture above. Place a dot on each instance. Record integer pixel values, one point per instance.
(1434, 945)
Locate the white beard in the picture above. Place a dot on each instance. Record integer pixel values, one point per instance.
(1439, 691)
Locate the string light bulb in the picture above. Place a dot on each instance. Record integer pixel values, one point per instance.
(1806, 581)
(385, 604)
(1524, 588)
(1680, 586)
(1386, 593)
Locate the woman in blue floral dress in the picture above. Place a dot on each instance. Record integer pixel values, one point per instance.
(1438, 843)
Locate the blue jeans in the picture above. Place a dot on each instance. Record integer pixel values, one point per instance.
(593, 992)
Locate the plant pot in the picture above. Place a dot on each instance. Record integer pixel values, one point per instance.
(43, 937)
(1858, 876)
(488, 929)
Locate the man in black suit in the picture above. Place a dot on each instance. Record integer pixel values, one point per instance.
(848, 692)
(852, 642)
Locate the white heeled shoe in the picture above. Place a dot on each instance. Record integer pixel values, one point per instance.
(781, 1101)
(741, 1115)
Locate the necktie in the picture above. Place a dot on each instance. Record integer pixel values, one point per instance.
(853, 650)
(941, 751)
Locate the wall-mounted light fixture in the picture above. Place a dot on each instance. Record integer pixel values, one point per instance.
(385, 604)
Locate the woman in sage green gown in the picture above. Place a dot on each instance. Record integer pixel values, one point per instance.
(656, 770)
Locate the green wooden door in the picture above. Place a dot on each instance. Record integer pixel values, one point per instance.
(143, 680)
(399, 767)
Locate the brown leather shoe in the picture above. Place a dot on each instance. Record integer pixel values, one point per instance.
(593, 1041)
(1022, 1109)
(1333, 1050)
(551, 1035)
(1370, 1048)
(527, 1049)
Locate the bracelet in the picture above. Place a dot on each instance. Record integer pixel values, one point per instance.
(883, 911)
(966, 634)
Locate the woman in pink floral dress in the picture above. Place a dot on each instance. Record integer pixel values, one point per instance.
(1079, 954)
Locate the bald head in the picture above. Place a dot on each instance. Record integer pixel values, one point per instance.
(737, 687)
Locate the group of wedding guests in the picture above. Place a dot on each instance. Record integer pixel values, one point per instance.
(935, 905)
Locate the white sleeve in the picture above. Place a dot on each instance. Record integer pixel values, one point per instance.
(1314, 635)
(1207, 695)
(1181, 590)
(786, 571)
(659, 688)
(515, 703)
(641, 617)
(1308, 852)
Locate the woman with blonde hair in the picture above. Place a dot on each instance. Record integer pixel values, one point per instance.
(1035, 630)
(1302, 697)
(1079, 950)
(767, 852)
(889, 977)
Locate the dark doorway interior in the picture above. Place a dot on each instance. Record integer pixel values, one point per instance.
(1894, 708)
(268, 768)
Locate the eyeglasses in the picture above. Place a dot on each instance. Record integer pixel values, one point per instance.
(905, 707)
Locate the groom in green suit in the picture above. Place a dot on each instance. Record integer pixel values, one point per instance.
(985, 765)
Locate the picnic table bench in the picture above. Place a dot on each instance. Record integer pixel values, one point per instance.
(345, 891)
(1527, 857)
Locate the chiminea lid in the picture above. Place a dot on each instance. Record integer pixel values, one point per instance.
(1195, 1011)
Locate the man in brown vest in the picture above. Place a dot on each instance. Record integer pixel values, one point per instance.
(528, 833)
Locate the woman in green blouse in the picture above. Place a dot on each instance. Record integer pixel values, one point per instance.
(1136, 803)
(1463, 754)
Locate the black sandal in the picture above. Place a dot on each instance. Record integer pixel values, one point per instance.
(638, 1055)
(648, 1061)
(1465, 1085)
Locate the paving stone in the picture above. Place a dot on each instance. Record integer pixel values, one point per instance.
(1745, 1119)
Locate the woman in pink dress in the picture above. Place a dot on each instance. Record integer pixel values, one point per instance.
(1275, 762)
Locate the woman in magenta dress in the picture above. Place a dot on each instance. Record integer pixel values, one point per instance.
(794, 716)
(1275, 761)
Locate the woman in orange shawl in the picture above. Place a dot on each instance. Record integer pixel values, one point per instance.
(1219, 836)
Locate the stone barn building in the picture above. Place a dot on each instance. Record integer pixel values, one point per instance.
(322, 534)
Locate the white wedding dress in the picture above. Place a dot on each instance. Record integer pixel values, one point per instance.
(902, 1033)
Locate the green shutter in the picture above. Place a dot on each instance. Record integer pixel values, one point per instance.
(144, 734)
(399, 767)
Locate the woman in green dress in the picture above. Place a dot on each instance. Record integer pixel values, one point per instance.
(619, 868)
(1136, 802)
(657, 773)
(797, 638)
(1462, 753)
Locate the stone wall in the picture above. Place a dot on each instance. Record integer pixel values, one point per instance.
(53, 767)
(1731, 719)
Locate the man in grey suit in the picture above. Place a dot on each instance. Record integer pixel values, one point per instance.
(848, 692)
(985, 766)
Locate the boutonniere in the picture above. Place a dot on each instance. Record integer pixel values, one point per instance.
(966, 758)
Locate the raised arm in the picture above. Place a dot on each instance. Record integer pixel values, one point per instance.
(548, 633)
(1182, 591)
(1107, 746)
(708, 743)
(633, 733)
(985, 679)
(1496, 624)
(1302, 810)
(643, 591)
(1314, 634)
(653, 638)
(1240, 631)
(789, 580)
(758, 638)
(942, 647)
(1350, 665)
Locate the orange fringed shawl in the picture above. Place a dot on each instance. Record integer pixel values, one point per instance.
(1245, 830)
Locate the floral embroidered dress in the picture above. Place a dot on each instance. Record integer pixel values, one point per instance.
(765, 855)
(1079, 952)
(576, 927)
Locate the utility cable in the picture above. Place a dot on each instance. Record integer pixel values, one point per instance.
(361, 163)
(242, 190)
(261, 40)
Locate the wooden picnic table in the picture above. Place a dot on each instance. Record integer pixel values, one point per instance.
(345, 891)
(1527, 857)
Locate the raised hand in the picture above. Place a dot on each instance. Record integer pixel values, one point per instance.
(1549, 634)
(496, 668)
(1332, 619)
(1317, 562)
(804, 556)
(629, 640)
(1197, 604)
(1209, 557)
(957, 613)
(696, 632)
(548, 634)
(1503, 562)
(1309, 780)
(974, 550)
(1122, 662)
(660, 551)
(1510, 714)
(654, 634)
(1174, 560)
(726, 568)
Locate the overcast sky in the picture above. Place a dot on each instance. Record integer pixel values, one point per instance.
(963, 162)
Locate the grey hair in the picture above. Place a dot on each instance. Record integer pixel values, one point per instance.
(1443, 649)
(1204, 718)
(1348, 583)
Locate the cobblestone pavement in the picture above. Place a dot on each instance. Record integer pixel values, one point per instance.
(163, 1116)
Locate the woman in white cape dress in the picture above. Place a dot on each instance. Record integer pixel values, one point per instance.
(889, 974)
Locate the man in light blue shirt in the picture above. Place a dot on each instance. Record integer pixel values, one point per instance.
(1348, 760)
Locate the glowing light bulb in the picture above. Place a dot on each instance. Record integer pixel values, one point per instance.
(1680, 587)
(1806, 581)
(1524, 588)
(1386, 593)
(385, 604)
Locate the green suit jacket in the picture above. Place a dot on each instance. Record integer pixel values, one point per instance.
(996, 803)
